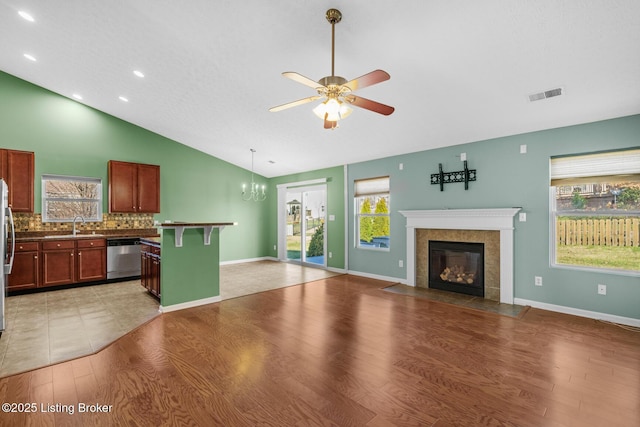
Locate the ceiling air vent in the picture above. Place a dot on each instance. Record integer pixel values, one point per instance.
(544, 95)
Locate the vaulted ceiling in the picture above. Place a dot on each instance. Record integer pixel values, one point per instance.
(461, 71)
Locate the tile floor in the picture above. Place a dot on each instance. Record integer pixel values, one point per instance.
(50, 327)
(249, 278)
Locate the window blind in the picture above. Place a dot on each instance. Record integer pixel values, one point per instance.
(614, 166)
(371, 186)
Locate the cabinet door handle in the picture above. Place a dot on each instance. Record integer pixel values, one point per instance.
(35, 257)
(58, 244)
(20, 247)
(79, 253)
(91, 243)
(71, 253)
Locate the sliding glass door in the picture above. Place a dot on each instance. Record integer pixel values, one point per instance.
(305, 225)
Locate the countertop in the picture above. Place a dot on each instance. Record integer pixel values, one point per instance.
(153, 240)
(39, 236)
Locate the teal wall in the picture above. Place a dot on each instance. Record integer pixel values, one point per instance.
(69, 138)
(506, 178)
(335, 206)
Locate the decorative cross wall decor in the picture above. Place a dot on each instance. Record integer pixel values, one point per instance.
(465, 176)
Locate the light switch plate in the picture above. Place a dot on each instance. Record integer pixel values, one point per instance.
(522, 217)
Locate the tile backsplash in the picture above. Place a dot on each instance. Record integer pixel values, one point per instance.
(110, 221)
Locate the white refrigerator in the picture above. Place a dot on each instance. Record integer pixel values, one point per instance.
(6, 219)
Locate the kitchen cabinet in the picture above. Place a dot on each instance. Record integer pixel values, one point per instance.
(26, 267)
(91, 260)
(134, 187)
(58, 262)
(17, 169)
(73, 261)
(150, 268)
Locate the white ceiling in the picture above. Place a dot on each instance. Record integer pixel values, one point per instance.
(461, 71)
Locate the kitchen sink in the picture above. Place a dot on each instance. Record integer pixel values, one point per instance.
(67, 236)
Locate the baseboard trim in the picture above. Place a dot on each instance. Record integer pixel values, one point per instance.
(378, 277)
(189, 304)
(337, 270)
(241, 261)
(579, 312)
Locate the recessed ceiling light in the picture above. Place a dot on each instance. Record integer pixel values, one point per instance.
(30, 57)
(138, 73)
(26, 16)
(78, 97)
(123, 99)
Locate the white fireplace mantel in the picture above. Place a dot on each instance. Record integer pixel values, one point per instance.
(500, 219)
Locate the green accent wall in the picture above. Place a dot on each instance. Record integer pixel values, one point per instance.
(335, 206)
(69, 138)
(192, 271)
(506, 178)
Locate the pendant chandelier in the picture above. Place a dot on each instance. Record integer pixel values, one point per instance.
(257, 192)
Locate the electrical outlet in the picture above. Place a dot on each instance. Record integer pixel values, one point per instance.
(602, 289)
(401, 166)
(463, 157)
(400, 263)
(330, 254)
(538, 281)
(275, 247)
(523, 149)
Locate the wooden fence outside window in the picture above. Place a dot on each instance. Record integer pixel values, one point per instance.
(598, 232)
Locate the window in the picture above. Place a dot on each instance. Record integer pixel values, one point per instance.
(595, 209)
(65, 197)
(372, 213)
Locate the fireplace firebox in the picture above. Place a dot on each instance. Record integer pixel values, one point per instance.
(457, 267)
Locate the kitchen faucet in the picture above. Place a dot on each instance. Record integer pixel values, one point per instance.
(74, 223)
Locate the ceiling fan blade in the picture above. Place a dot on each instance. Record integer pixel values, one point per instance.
(294, 103)
(369, 79)
(368, 104)
(302, 79)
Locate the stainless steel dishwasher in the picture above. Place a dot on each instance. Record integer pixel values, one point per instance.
(123, 257)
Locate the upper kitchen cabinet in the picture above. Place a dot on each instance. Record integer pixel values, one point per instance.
(134, 187)
(16, 168)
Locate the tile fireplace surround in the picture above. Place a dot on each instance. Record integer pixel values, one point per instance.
(498, 219)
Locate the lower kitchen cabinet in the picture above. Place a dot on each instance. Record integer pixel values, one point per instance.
(91, 260)
(58, 262)
(150, 268)
(25, 273)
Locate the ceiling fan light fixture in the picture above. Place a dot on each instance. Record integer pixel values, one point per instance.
(336, 90)
(333, 110)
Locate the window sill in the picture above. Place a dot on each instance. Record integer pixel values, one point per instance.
(364, 248)
(628, 273)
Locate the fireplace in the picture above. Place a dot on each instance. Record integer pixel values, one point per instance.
(498, 257)
(456, 267)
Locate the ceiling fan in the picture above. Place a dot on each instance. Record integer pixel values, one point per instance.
(336, 90)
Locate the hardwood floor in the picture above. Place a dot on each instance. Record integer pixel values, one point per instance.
(341, 352)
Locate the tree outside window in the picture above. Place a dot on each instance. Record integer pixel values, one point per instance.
(372, 218)
(65, 197)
